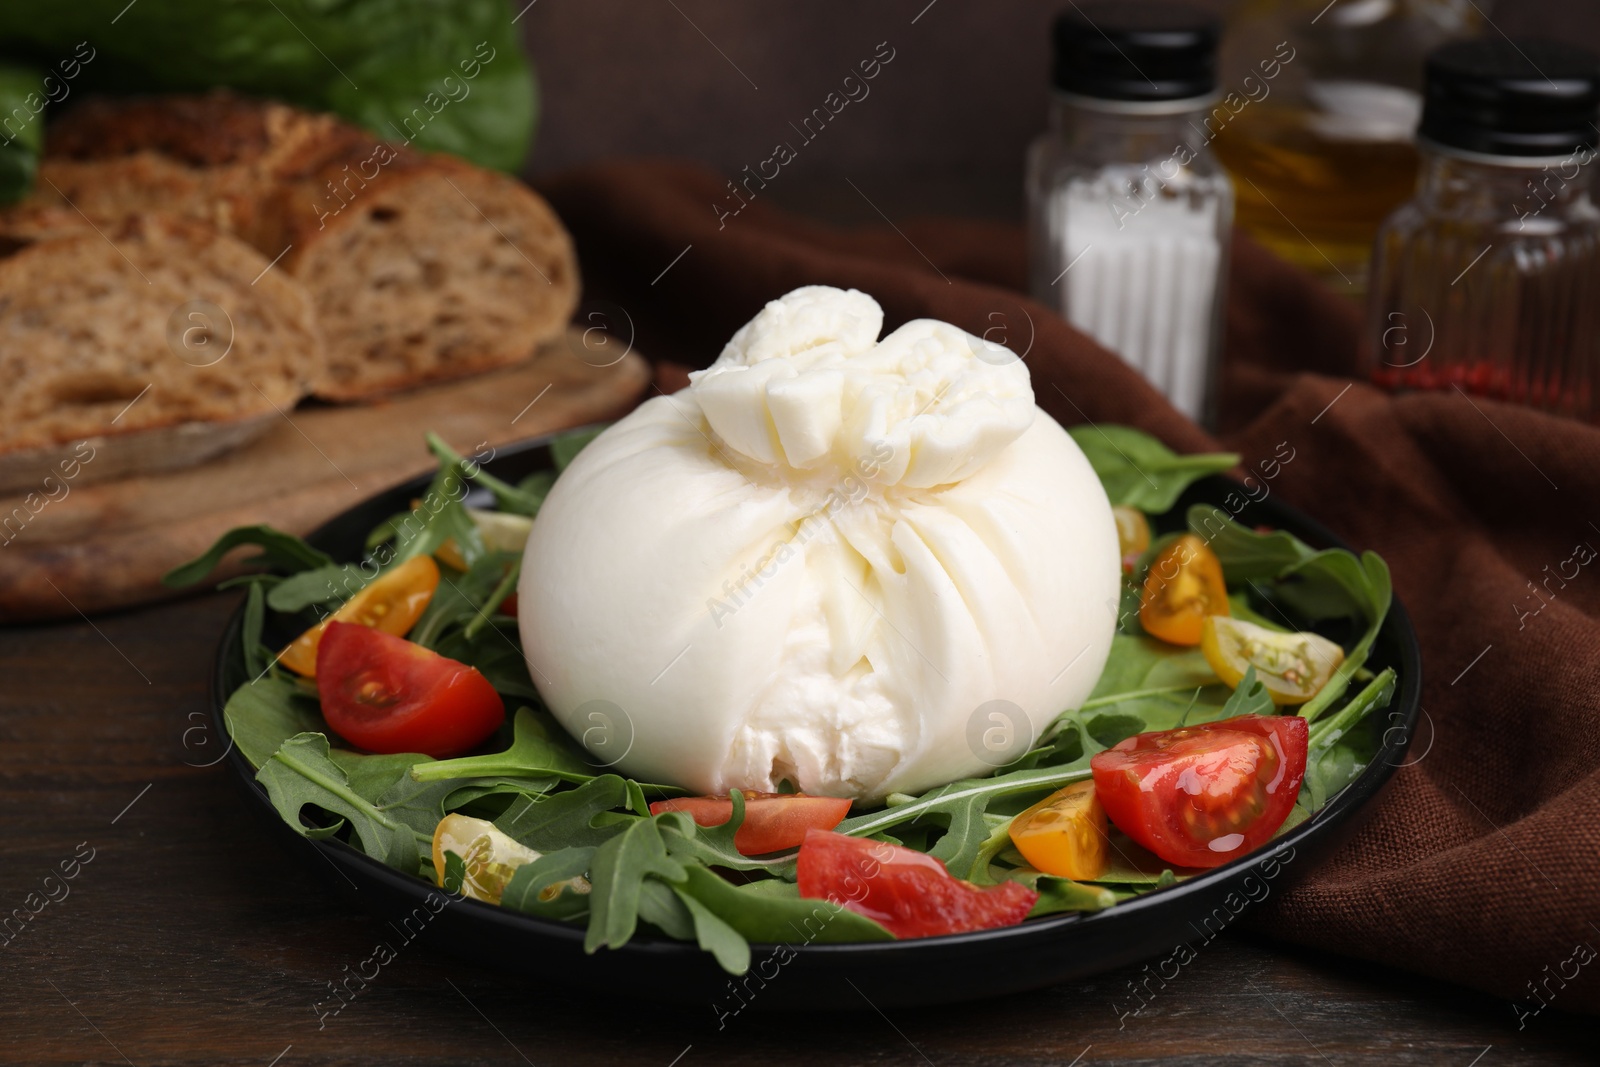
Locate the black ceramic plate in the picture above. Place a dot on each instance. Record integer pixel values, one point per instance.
(989, 963)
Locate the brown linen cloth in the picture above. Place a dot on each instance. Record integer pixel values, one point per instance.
(1482, 863)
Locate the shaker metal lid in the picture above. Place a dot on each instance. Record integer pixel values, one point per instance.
(1136, 51)
(1505, 97)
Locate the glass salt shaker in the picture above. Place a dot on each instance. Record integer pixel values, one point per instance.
(1485, 282)
(1129, 211)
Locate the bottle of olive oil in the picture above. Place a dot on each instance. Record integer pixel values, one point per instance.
(1321, 151)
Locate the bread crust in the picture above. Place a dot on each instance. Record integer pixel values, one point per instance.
(86, 333)
(307, 187)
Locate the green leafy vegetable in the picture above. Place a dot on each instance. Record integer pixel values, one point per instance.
(1058, 895)
(576, 818)
(1318, 584)
(509, 497)
(530, 883)
(1141, 472)
(537, 751)
(335, 583)
(263, 714)
(302, 773)
(1337, 751)
(773, 912)
(620, 868)
(960, 807)
(279, 550)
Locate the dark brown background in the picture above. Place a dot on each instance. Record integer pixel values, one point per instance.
(190, 940)
(943, 130)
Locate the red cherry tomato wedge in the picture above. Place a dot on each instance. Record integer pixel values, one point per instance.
(385, 694)
(909, 892)
(1200, 796)
(772, 821)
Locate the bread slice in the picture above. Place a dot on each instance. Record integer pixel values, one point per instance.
(150, 323)
(421, 267)
(432, 270)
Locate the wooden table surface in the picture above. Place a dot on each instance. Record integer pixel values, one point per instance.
(187, 935)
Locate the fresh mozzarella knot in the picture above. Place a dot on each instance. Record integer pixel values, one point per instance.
(807, 386)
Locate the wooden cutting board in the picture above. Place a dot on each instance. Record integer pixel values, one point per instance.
(105, 546)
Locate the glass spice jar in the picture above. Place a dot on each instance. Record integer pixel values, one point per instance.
(1129, 211)
(1486, 281)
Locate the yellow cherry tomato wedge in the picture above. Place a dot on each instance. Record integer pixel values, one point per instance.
(1064, 834)
(501, 532)
(1182, 589)
(1293, 667)
(490, 855)
(1133, 534)
(392, 602)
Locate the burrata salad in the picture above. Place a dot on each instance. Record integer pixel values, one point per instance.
(848, 637)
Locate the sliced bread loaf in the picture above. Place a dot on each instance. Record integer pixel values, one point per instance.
(146, 323)
(421, 267)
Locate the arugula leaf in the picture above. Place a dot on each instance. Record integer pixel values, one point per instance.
(715, 935)
(472, 790)
(507, 497)
(1318, 584)
(537, 751)
(711, 845)
(455, 873)
(325, 585)
(257, 657)
(279, 550)
(1057, 895)
(1250, 698)
(373, 774)
(661, 908)
(1150, 685)
(960, 807)
(302, 773)
(1141, 472)
(1131, 864)
(773, 912)
(459, 601)
(620, 868)
(529, 882)
(1335, 753)
(263, 714)
(568, 819)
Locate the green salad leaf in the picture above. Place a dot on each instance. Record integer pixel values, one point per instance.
(774, 912)
(532, 888)
(1141, 472)
(302, 773)
(263, 714)
(621, 866)
(1317, 584)
(537, 750)
(279, 551)
(576, 818)
(960, 808)
(1057, 895)
(1342, 744)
